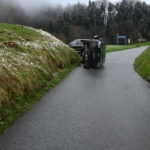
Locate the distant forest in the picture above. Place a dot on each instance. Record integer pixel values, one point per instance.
(128, 17)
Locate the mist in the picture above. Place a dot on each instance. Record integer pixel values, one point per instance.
(68, 22)
(31, 7)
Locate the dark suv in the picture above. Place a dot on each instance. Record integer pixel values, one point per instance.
(78, 46)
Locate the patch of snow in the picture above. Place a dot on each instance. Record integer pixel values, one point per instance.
(54, 41)
(23, 54)
(35, 44)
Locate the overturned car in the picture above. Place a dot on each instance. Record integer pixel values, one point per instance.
(93, 52)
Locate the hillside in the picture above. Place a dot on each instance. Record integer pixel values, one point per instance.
(142, 64)
(29, 59)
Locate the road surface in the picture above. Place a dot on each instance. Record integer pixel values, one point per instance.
(107, 109)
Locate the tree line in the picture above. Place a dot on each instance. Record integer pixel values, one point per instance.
(128, 17)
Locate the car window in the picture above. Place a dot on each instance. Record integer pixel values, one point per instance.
(73, 43)
(79, 43)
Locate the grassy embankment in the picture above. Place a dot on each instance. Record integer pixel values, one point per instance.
(31, 63)
(142, 64)
(113, 48)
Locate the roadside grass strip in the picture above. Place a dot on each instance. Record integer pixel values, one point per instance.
(29, 60)
(142, 64)
(114, 48)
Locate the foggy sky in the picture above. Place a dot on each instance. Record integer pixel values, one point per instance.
(38, 3)
(32, 5)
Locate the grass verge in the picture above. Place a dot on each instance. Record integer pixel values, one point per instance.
(30, 60)
(11, 112)
(113, 48)
(142, 64)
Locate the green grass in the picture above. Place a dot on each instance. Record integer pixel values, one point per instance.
(21, 105)
(113, 48)
(142, 64)
(18, 31)
(29, 60)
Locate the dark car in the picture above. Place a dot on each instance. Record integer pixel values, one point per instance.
(78, 46)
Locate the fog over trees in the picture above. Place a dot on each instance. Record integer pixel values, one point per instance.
(128, 17)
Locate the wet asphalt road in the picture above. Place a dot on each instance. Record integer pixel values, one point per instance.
(107, 109)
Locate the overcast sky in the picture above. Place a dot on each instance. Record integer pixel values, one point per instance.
(63, 2)
(32, 5)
